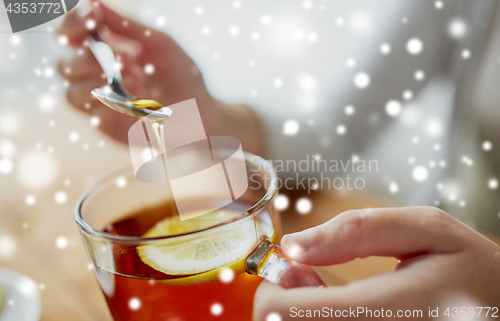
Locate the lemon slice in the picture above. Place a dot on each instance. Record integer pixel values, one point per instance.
(205, 251)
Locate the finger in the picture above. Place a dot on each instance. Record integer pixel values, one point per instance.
(78, 93)
(129, 28)
(397, 232)
(112, 123)
(134, 80)
(401, 290)
(78, 24)
(272, 301)
(79, 65)
(83, 64)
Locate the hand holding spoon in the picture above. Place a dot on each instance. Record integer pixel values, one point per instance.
(114, 94)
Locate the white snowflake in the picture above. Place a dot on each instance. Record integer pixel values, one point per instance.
(160, 21)
(349, 110)
(206, 30)
(62, 242)
(457, 28)
(36, 169)
(233, 30)
(312, 37)
(134, 304)
(407, 94)
(433, 127)
(74, 137)
(393, 187)
(6, 166)
(341, 129)
(414, 46)
(226, 275)
(149, 69)
(8, 246)
(420, 173)
(281, 202)
(30, 200)
(487, 145)
(360, 22)
(467, 160)
(62, 40)
(273, 317)
(385, 48)
(307, 83)
(90, 24)
(350, 62)
(307, 5)
(95, 121)
(291, 127)
(393, 108)
(361, 80)
(15, 40)
(266, 20)
(7, 148)
(216, 309)
(10, 122)
(48, 72)
(61, 197)
(198, 10)
(303, 205)
(419, 75)
(121, 181)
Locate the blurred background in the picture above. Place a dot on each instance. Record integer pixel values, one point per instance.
(410, 84)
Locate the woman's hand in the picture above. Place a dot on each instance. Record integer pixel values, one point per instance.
(153, 66)
(443, 262)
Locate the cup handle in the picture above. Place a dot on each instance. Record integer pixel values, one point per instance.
(269, 262)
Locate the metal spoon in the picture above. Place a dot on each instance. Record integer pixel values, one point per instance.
(114, 94)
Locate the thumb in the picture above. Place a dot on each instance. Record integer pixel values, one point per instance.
(129, 28)
(78, 24)
(397, 232)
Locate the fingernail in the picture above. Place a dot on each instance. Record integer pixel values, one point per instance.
(84, 10)
(296, 243)
(90, 11)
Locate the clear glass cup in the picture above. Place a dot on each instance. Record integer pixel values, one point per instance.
(135, 291)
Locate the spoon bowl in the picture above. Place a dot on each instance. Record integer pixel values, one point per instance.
(123, 105)
(114, 94)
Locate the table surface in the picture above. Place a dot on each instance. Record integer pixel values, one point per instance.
(70, 291)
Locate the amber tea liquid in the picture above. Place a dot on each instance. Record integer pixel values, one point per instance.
(146, 297)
